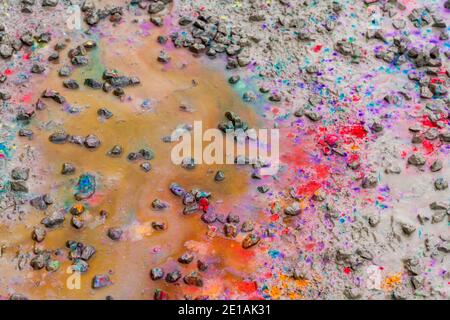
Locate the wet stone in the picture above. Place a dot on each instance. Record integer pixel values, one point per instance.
(101, 281)
(91, 83)
(173, 276)
(65, 71)
(77, 222)
(54, 219)
(416, 159)
(20, 173)
(163, 57)
(369, 181)
(91, 142)
(436, 166)
(193, 279)
(115, 233)
(156, 274)
(78, 140)
(234, 79)
(104, 113)
(59, 137)
(408, 228)
(440, 184)
(177, 190)
(209, 217)
(219, 176)
(68, 168)
(247, 226)
(115, 151)
(37, 68)
(293, 210)
(186, 258)
(18, 186)
(159, 205)
(159, 225)
(250, 240)
(146, 166)
(38, 234)
(71, 84)
(27, 133)
(230, 230)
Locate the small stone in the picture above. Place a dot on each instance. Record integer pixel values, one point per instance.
(408, 228)
(219, 176)
(18, 186)
(440, 184)
(156, 274)
(37, 68)
(417, 159)
(293, 210)
(91, 142)
(77, 222)
(68, 168)
(163, 57)
(104, 113)
(234, 79)
(115, 233)
(313, 116)
(201, 265)
(59, 137)
(186, 258)
(230, 230)
(263, 188)
(159, 225)
(20, 173)
(369, 181)
(247, 226)
(38, 234)
(173, 276)
(188, 163)
(54, 219)
(91, 83)
(250, 240)
(65, 71)
(146, 166)
(193, 279)
(115, 151)
(101, 281)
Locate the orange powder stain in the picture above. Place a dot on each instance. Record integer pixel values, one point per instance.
(390, 282)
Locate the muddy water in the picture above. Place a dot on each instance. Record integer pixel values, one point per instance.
(124, 190)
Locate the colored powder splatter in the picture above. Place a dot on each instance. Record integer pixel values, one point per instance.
(357, 131)
(309, 188)
(246, 286)
(317, 48)
(428, 146)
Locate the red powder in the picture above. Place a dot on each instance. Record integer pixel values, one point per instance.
(317, 48)
(309, 188)
(331, 139)
(357, 131)
(26, 57)
(247, 287)
(275, 110)
(310, 247)
(355, 98)
(274, 217)
(428, 146)
(26, 98)
(347, 270)
(8, 72)
(322, 171)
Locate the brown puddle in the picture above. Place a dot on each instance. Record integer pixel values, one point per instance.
(124, 190)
